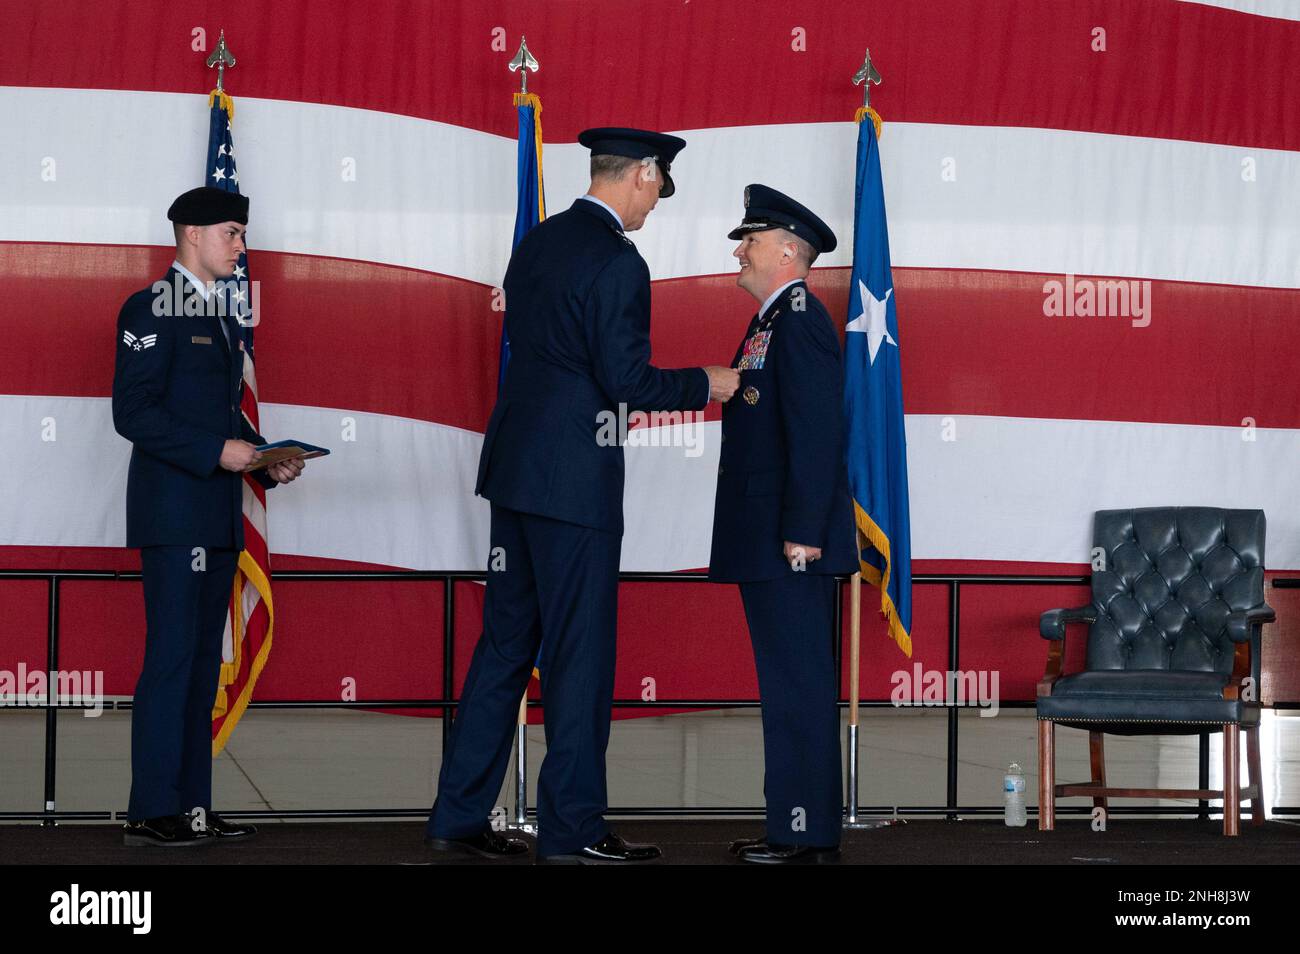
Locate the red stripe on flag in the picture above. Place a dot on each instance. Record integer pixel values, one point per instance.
(426, 342)
(333, 333)
(1167, 70)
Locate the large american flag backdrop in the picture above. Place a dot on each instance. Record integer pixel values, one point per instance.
(1024, 141)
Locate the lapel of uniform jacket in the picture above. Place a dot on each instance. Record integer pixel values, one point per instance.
(227, 340)
(781, 303)
(740, 348)
(236, 353)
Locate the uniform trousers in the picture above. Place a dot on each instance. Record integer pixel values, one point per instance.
(186, 599)
(790, 627)
(552, 586)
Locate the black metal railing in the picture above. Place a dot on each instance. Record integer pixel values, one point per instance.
(448, 701)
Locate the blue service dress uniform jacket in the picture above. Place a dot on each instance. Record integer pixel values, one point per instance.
(176, 391)
(782, 476)
(781, 472)
(578, 320)
(176, 394)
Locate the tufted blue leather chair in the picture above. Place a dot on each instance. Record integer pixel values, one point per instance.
(1174, 630)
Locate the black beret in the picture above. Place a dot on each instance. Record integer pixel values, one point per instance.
(636, 144)
(208, 206)
(765, 208)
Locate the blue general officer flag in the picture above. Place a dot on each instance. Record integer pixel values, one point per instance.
(531, 207)
(873, 400)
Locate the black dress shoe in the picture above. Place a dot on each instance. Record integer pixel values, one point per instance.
(486, 844)
(222, 830)
(769, 854)
(169, 831)
(609, 850)
(743, 844)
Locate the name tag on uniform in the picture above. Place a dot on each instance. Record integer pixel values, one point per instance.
(200, 339)
(755, 353)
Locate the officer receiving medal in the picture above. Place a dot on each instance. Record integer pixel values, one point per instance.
(783, 522)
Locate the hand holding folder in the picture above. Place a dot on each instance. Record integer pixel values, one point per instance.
(281, 451)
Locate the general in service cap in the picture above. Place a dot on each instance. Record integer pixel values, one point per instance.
(636, 144)
(766, 208)
(208, 206)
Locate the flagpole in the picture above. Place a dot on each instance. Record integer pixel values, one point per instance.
(521, 769)
(865, 76)
(851, 819)
(855, 636)
(523, 63)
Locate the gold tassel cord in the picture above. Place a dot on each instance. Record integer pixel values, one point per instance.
(865, 111)
(228, 104)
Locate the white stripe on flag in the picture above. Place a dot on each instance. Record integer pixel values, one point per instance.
(1003, 489)
(999, 198)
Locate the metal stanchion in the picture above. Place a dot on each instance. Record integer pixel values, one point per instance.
(51, 699)
(855, 630)
(521, 822)
(851, 819)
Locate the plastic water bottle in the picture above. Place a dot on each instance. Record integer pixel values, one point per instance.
(1013, 796)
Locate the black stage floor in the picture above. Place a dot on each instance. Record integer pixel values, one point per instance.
(1138, 841)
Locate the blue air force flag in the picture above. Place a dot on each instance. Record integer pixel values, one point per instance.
(531, 196)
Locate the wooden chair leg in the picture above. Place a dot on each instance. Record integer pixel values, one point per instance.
(1097, 752)
(1254, 776)
(1231, 779)
(1046, 775)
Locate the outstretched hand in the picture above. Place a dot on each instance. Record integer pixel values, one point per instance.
(722, 382)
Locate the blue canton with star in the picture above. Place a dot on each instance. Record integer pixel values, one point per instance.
(222, 173)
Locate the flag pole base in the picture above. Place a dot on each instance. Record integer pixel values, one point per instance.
(521, 822)
(863, 824)
(851, 759)
(852, 820)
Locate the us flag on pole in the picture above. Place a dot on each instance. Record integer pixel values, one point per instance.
(247, 642)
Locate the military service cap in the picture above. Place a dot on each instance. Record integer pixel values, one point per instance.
(636, 144)
(765, 208)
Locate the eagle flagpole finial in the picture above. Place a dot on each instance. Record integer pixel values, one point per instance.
(221, 58)
(864, 77)
(523, 62)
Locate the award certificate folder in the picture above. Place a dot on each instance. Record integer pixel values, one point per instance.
(287, 450)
